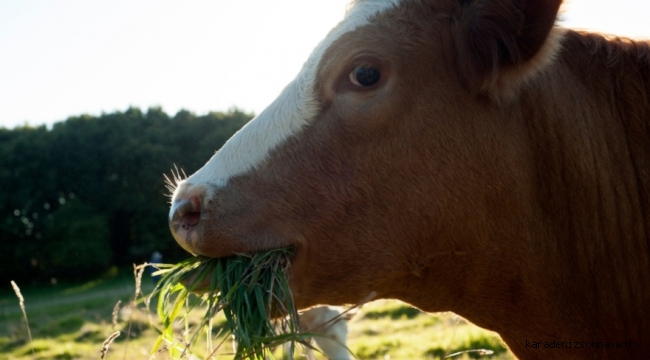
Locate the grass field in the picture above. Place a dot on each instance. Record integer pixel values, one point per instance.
(72, 322)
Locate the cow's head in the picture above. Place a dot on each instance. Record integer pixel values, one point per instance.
(385, 161)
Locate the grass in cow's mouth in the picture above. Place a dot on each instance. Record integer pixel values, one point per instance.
(251, 290)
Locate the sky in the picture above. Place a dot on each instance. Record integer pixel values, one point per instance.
(60, 58)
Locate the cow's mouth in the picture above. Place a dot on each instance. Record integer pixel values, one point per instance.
(187, 222)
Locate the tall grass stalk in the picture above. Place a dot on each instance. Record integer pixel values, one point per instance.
(107, 343)
(21, 302)
(137, 274)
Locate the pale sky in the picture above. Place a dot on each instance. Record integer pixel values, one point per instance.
(69, 57)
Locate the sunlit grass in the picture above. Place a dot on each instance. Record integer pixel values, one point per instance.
(68, 323)
(250, 290)
(389, 329)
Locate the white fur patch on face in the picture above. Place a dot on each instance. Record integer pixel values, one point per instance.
(296, 107)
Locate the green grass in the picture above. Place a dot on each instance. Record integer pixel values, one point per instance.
(391, 329)
(248, 290)
(67, 321)
(72, 322)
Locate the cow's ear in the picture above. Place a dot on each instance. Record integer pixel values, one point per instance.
(500, 43)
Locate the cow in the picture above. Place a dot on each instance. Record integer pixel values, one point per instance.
(459, 155)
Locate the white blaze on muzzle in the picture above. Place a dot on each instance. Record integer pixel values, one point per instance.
(296, 107)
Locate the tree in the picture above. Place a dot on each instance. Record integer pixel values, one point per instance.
(90, 192)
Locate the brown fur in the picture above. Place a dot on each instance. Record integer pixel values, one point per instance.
(528, 215)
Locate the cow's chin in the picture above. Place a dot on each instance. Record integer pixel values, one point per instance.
(187, 238)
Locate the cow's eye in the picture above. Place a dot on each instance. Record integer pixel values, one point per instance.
(364, 76)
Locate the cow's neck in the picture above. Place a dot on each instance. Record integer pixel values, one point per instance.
(586, 201)
(590, 133)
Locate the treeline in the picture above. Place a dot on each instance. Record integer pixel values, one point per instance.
(89, 193)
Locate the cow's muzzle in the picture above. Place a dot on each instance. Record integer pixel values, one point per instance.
(184, 218)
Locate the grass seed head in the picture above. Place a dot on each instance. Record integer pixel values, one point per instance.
(21, 302)
(116, 310)
(137, 273)
(107, 343)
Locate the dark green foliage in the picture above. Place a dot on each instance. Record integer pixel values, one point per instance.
(73, 234)
(436, 353)
(90, 192)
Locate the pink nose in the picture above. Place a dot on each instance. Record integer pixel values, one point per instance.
(184, 217)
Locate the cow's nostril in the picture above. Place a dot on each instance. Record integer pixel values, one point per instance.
(190, 219)
(185, 214)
